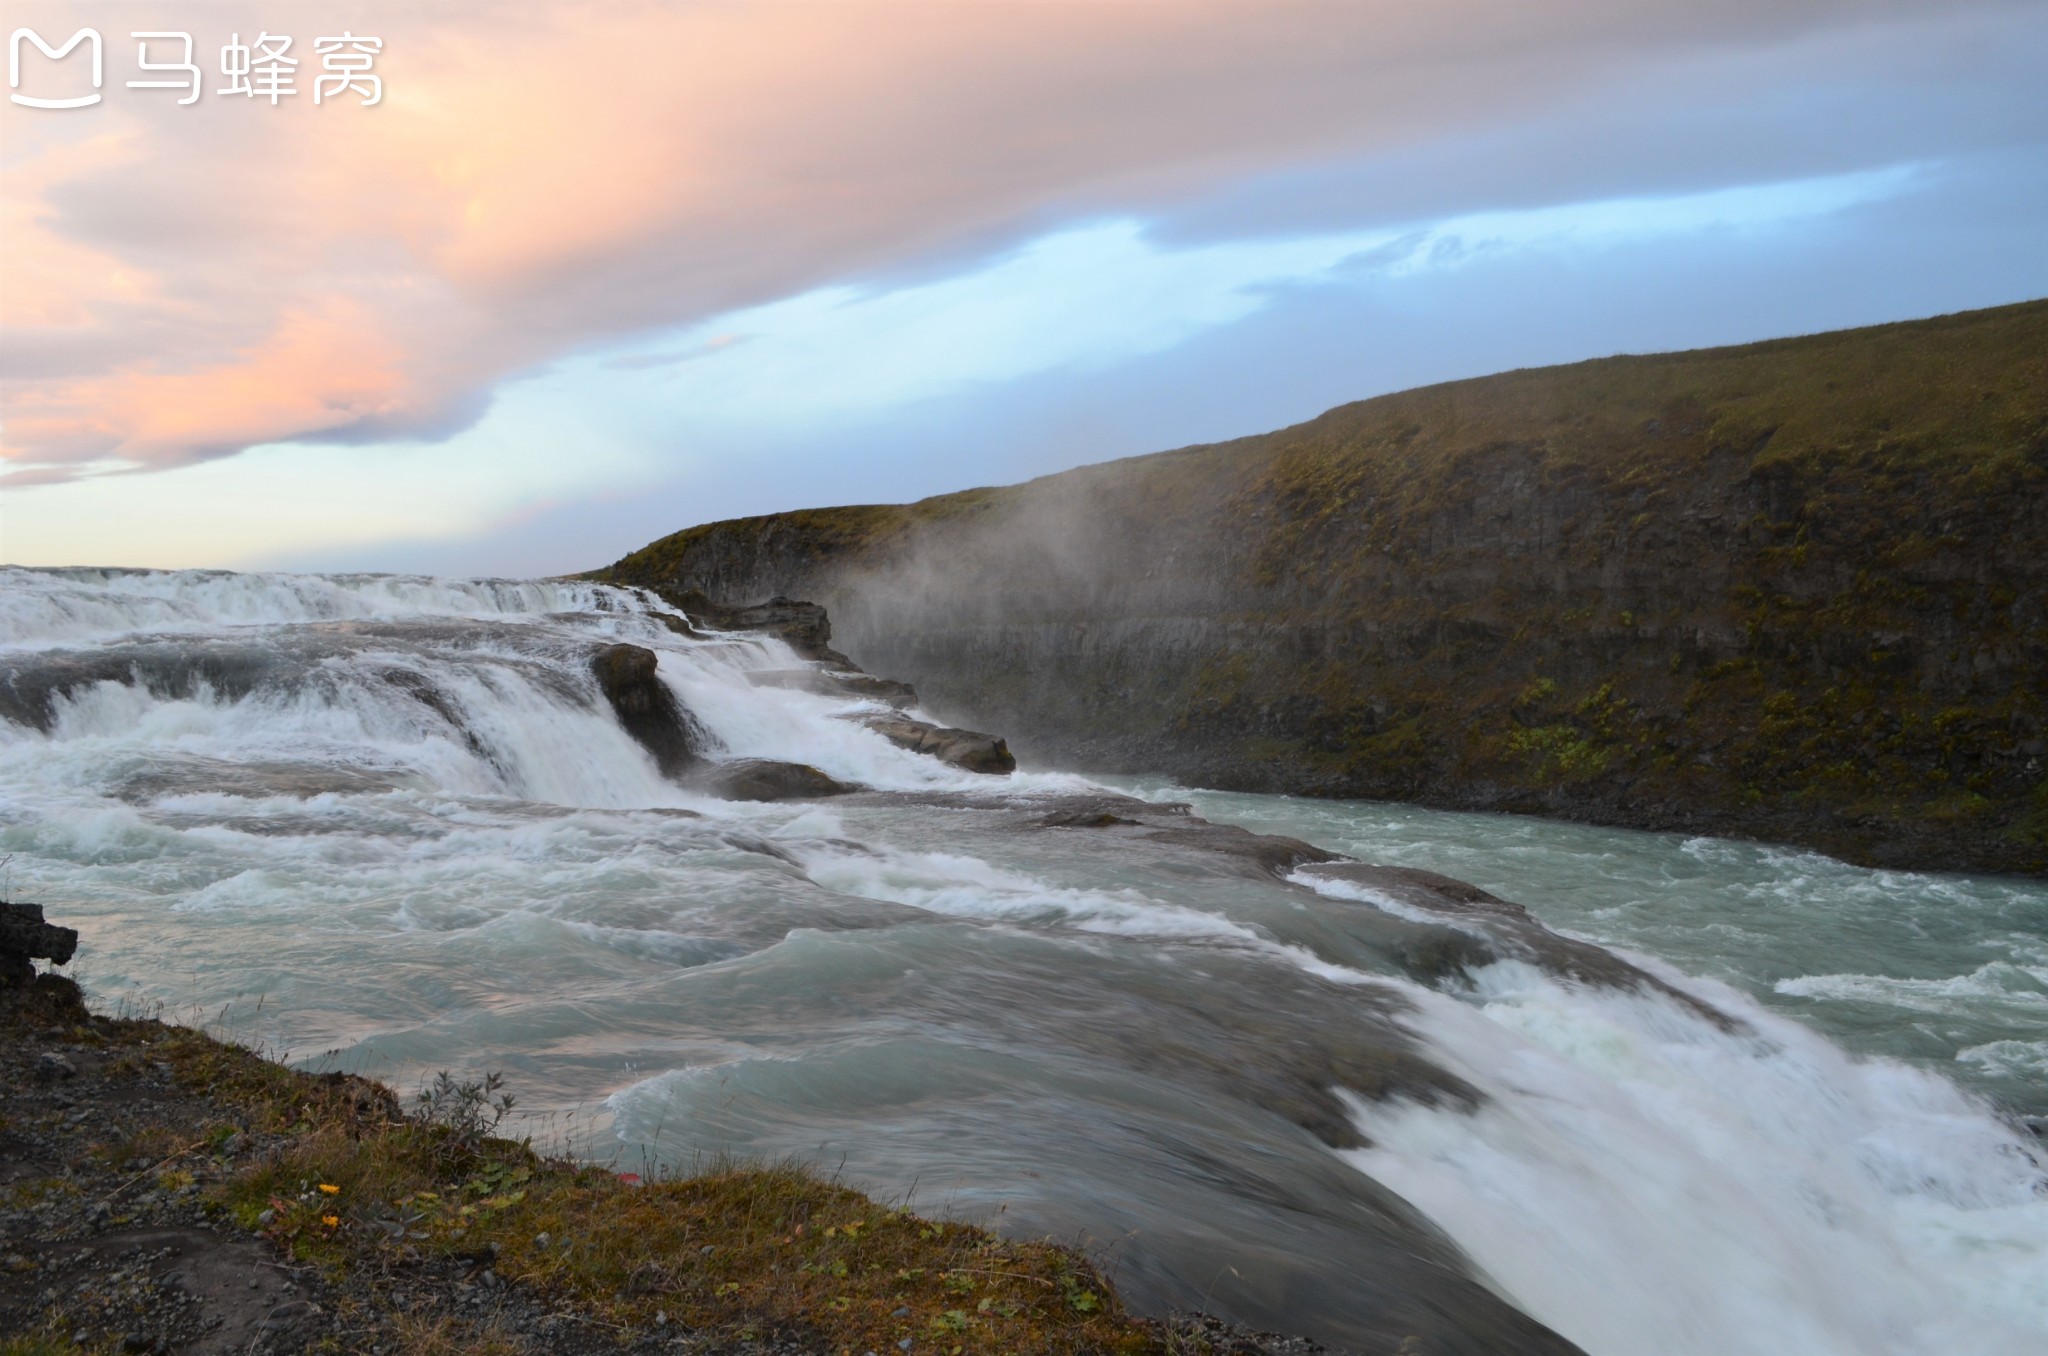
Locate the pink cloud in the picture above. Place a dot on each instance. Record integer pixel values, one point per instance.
(185, 282)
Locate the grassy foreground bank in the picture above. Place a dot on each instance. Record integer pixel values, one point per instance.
(162, 1190)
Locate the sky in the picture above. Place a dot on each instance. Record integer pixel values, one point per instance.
(568, 277)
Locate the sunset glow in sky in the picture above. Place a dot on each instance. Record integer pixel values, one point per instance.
(589, 273)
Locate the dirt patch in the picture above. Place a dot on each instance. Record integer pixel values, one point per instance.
(174, 1288)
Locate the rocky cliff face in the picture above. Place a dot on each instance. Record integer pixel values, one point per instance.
(1795, 590)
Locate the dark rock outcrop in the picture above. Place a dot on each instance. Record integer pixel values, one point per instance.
(627, 676)
(1795, 591)
(964, 749)
(804, 627)
(838, 683)
(1175, 824)
(650, 714)
(1507, 930)
(767, 779)
(25, 938)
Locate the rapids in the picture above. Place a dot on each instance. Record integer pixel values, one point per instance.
(389, 824)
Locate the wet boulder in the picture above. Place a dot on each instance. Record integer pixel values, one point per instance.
(1255, 854)
(803, 626)
(768, 779)
(679, 625)
(965, 749)
(647, 710)
(838, 683)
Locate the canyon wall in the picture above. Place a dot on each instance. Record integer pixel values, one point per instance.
(1795, 590)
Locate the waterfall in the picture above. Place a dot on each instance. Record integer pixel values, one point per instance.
(401, 813)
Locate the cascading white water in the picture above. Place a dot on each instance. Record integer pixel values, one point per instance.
(1726, 1193)
(405, 819)
(1723, 1185)
(45, 607)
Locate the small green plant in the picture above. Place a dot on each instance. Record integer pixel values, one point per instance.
(469, 1111)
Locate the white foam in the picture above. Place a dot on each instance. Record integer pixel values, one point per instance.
(967, 887)
(1996, 981)
(2024, 1060)
(1644, 1182)
(1336, 887)
(43, 607)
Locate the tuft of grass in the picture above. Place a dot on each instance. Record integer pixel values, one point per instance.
(420, 1335)
(42, 1344)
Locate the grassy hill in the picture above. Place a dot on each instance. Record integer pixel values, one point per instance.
(1796, 590)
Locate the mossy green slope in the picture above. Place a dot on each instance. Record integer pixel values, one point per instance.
(1796, 590)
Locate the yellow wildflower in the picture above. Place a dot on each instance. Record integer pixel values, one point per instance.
(331, 1221)
(329, 1189)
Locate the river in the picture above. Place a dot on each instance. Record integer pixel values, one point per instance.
(389, 824)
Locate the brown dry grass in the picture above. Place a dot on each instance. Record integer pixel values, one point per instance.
(424, 1336)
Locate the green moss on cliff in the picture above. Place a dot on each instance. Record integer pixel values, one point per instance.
(824, 534)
